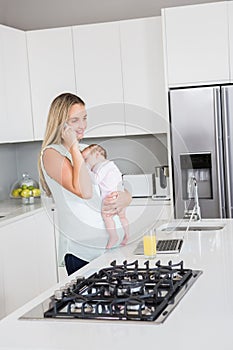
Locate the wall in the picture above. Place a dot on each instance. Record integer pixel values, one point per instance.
(8, 169)
(15, 159)
(133, 154)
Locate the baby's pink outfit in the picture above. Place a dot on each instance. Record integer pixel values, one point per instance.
(108, 177)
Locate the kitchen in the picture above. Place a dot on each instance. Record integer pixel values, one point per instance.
(130, 131)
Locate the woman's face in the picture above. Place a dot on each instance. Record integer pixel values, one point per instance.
(77, 120)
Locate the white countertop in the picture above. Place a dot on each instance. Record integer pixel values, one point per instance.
(150, 201)
(202, 320)
(13, 209)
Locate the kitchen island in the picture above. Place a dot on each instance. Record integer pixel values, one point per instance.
(202, 320)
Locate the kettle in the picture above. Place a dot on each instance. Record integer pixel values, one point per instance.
(161, 182)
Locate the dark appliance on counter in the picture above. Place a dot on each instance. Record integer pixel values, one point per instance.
(124, 292)
(202, 135)
(161, 182)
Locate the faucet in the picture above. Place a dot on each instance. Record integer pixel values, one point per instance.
(195, 213)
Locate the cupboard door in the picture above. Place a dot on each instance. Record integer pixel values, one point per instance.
(19, 263)
(196, 44)
(46, 250)
(230, 18)
(51, 66)
(15, 104)
(2, 292)
(99, 77)
(143, 76)
(28, 259)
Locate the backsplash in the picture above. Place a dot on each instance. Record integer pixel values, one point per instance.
(135, 154)
(132, 154)
(16, 159)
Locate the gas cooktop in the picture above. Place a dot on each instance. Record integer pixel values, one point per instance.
(126, 292)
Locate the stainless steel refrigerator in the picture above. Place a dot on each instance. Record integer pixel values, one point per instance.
(202, 147)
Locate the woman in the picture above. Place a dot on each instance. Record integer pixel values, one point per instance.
(63, 174)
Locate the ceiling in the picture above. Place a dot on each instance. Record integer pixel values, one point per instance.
(34, 14)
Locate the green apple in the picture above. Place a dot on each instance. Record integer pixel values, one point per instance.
(25, 193)
(36, 192)
(15, 192)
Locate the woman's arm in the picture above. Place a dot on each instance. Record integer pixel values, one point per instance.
(75, 178)
(116, 201)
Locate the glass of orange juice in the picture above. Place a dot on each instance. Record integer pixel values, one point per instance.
(149, 243)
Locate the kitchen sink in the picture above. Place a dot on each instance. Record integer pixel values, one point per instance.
(192, 227)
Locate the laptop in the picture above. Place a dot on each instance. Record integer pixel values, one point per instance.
(163, 246)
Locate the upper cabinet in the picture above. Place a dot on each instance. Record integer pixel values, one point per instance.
(99, 77)
(197, 44)
(51, 66)
(143, 76)
(117, 68)
(15, 104)
(230, 19)
(122, 78)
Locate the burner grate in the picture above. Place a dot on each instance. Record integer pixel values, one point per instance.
(125, 292)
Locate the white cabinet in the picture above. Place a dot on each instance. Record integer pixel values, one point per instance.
(120, 75)
(15, 104)
(143, 76)
(2, 292)
(28, 259)
(99, 77)
(120, 79)
(197, 48)
(51, 65)
(230, 18)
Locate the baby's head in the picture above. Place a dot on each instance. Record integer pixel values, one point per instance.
(94, 154)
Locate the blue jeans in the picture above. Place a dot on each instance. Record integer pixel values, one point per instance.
(73, 263)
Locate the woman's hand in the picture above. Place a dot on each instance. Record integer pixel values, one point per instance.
(115, 202)
(69, 136)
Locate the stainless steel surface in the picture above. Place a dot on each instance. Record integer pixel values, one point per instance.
(226, 150)
(192, 228)
(161, 186)
(230, 140)
(227, 93)
(37, 313)
(197, 115)
(219, 152)
(171, 306)
(195, 213)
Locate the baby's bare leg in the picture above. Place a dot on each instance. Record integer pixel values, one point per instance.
(125, 225)
(111, 228)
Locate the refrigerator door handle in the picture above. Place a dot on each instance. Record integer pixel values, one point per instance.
(227, 150)
(219, 152)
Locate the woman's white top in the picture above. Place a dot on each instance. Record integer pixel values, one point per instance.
(81, 227)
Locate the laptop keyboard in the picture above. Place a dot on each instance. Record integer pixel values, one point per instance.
(168, 244)
(163, 246)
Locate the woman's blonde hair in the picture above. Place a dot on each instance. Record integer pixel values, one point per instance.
(58, 115)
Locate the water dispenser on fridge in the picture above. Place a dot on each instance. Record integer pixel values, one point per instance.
(196, 166)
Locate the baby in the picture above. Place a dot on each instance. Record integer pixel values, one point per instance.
(109, 178)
